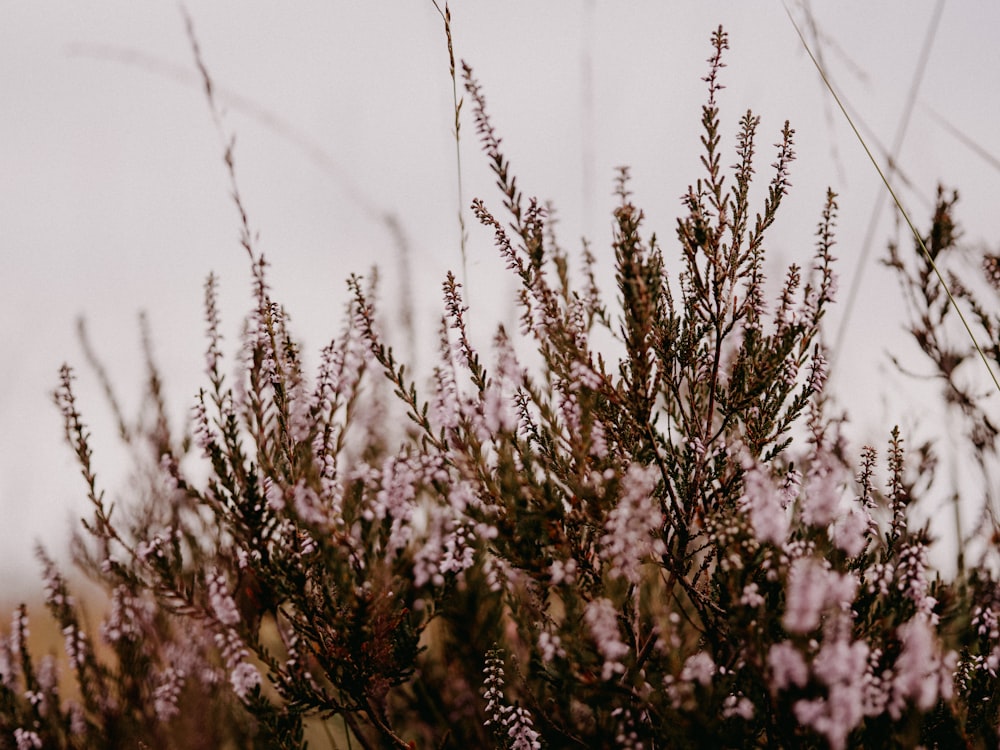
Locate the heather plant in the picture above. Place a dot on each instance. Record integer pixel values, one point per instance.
(632, 523)
(956, 360)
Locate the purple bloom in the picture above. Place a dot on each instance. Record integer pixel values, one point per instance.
(244, 678)
(813, 588)
(633, 526)
(602, 620)
(787, 665)
(699, 668)
(766, 505)
(223, 606)
(921, 674)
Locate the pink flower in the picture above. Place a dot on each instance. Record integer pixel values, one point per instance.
(821, 501)
(834, 716)
(738, 705)
(818, 372)
(632, 530)
(699, 668)
(602, 620)
(551, 646)
(787, 666)
(76, 646)
(26, 739)
(166, 693)
(244, 678)
(850, 533)
(766, 506)
(841, 661)
(812, 588)
(518, 725)
(921, 675)
(223, 606)
(751, 596)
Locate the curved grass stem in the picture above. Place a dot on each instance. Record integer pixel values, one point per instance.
(896, 200)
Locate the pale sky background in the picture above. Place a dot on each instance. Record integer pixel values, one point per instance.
(114, 198)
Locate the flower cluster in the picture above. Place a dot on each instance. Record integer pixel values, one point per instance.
(654, 535)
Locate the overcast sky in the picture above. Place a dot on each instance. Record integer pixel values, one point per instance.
(114, 198)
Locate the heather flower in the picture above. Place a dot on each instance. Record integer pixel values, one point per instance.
(766, 505)
(598, 441)
(842, 666)
(517, 724)
(562, 571)
(550, 646)
(921, 674)
(751, 596)
(275, 495)
(395, 499)
(244, 678)
(583, 376)
(203, 435)
(499, 573)
(818, 372)
(602, 621)
(569, 408)
(56, 594)
(738, 705)
(309, 505)
(48, 674)
(446, 405)
(497, 415)
(127, 618)
(166, 693)
(448, 541)
(790, 487)
(220, 600)
(27, 739)
(813, 588)
(8, 665)
(511, 725)
(627, 733)
(912, 573)
(986, 622)
(991, 269)
(787, 666)
(213, 354)
(821, 500)
(834, 716)
(76, 646)
(699, 668)
(149, 550)
(493, 688)
(19, 630)
(879, 578)
(851, 532)
(790, 370)
(841, 661)
(77, 719)
(633, 526)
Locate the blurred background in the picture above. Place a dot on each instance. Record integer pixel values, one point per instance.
(114, 198)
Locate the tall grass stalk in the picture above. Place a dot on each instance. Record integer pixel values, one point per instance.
(457, 104)
(892, 157)
(899, 204)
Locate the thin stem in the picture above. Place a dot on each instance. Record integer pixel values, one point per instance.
(457, 104)
(899, 204)
(893, 155)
